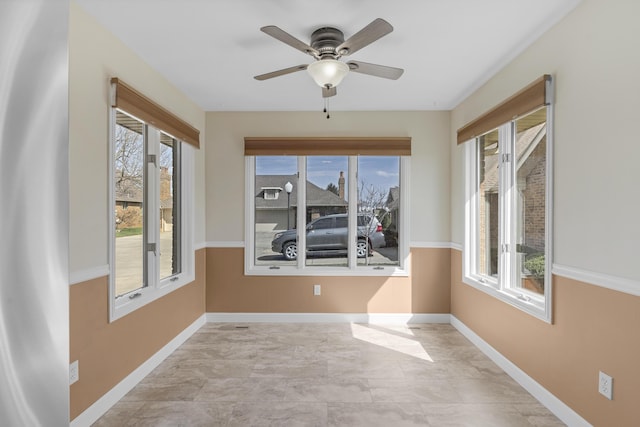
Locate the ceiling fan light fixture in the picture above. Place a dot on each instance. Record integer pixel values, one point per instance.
(328, 72)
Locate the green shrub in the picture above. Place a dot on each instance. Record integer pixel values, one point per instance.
(536, 265)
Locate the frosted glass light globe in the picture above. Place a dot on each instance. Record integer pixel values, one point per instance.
(328, 72)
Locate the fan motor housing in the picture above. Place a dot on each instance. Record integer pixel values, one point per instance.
(326, 39)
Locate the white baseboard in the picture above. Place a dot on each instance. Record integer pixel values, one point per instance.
(379, 318)
(555, 405)
(102, 405)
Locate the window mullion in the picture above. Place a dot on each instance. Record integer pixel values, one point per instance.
(353, 211)
(301, 216)
(476, 213)
(506, 197)
(178, 227)
(513, 215)
(548, 251)
(152, 197)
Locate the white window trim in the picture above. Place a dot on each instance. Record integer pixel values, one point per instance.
(534, 304)
(300, 269)
(156, 288)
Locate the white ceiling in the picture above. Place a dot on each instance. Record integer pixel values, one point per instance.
(211, 49)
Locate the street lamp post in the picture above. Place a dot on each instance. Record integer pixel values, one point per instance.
(288, 187)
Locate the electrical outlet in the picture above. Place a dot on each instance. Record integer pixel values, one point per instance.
(605, 385)
(74, 372)
(316, 290)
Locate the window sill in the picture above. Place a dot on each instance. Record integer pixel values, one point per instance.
(532, 306)
(388, 271)
(125, 305)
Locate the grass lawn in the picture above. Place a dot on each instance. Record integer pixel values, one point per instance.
(134, 231)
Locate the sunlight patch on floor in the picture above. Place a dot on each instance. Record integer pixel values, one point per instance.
(391, 340)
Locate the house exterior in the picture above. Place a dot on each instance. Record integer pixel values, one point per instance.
(391, 225)
(129, 201)
(128, 208)
(275, 209)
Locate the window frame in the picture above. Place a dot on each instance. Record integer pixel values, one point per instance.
(120, 306)
(352, 268)
(504, 287)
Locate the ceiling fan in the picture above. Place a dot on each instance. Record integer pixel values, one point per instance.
(327, 46)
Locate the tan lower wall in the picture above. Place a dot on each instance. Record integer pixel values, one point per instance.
(426, 290)
(108, 352)
(594, 329)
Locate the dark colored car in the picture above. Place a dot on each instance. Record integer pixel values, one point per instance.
(327, 235)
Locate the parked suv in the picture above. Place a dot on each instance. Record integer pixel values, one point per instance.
(328, 235)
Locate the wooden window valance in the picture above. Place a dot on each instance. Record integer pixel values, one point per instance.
(532, 97)
(133, 102)
(314, 146)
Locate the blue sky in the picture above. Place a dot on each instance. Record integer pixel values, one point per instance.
(380, 171)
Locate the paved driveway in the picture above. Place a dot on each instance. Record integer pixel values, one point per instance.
(129, 259)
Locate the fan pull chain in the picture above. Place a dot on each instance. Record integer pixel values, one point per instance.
(326, 107)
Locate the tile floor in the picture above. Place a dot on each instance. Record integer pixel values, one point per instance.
(327, 375)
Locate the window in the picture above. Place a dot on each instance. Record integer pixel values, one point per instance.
(170, 207)
(487, 208)
(129, 184)
(507, 249)
(327, 202)
(271, 193)
(349, 206)
(151, 234)
(379, 209)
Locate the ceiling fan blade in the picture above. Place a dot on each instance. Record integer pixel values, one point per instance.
(287, 38)
(328, 92)
(281, 72)
(372, 32)
(375, 70)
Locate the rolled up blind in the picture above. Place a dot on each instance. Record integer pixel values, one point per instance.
(133, 102)
(532, 97)
(313, 146)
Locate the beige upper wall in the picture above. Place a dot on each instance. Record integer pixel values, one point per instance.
(429, 186)
(593, 55)
(96, 55)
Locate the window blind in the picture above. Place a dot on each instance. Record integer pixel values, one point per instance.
(534, 96)
(313, 146)
(133, 102)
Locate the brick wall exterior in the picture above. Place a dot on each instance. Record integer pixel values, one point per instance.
(534, 200)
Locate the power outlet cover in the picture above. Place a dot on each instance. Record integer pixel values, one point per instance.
(74, 372)
(316, 290)
(605, 385)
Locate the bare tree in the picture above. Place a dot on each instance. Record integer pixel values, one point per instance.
(371, 201)
(166, 170)
(167, 148)
(129, 160)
